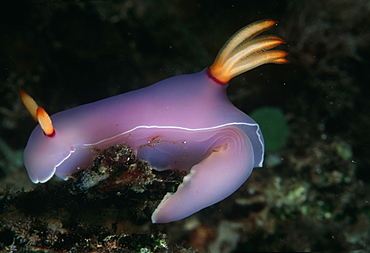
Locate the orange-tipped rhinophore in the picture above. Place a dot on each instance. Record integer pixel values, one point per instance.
(38, 113)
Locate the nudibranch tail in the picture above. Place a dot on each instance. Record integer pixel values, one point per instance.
(38, 113)
(243, 52)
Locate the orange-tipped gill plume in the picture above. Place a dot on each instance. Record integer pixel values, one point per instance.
(243, 52)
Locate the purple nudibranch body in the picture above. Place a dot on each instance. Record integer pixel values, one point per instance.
(184, 122)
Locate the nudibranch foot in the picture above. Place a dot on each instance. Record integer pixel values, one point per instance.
(221, 173)
(243, 52)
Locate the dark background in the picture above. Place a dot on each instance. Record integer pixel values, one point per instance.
(315, 196)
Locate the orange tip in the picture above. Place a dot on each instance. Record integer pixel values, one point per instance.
(45, 121)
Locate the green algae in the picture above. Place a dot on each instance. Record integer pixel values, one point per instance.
(273, 126)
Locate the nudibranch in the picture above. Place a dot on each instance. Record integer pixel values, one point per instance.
(184, 122)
